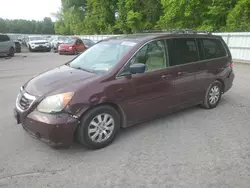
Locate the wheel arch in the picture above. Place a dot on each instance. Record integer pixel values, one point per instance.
(223, 84)
(121, 113)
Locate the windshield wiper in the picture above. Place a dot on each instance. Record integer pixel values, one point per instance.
(87, 70)
(79, 68)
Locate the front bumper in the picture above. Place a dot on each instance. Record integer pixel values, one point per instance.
(40, 47)
(66, 51)
(55, 130)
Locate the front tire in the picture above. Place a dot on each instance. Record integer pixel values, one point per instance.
(213, 95)
(99, 127)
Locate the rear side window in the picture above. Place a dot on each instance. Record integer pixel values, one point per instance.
(213, 48)
(182, 51)
(4, 38)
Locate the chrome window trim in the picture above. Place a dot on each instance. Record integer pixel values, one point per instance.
(153, 40)
(166, 38)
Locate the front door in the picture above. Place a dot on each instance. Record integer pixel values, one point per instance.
(152, 94)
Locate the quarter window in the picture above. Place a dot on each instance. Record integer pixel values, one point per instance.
(182, 51)
(213, 48)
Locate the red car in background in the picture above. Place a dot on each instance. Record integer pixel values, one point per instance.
(72, 46)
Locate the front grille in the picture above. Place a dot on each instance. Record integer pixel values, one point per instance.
(25, 101)
(40, 43)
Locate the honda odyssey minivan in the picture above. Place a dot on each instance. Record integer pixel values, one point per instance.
(123, 81)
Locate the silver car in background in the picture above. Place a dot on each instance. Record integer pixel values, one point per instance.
(56, 41)
(7, 46)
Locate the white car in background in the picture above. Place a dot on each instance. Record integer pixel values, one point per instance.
(38, 43)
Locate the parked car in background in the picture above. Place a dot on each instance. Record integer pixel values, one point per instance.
(7, 46)
(56, 41)
(72, 46)
(123, 81)
(88, 43)
(38, 43)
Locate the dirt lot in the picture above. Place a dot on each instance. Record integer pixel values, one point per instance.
(194, 148)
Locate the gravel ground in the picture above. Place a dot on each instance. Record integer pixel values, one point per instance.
(194, 148)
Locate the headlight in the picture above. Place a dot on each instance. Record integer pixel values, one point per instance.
(70, 47)
(55, 103)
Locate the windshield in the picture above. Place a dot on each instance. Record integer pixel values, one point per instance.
(68, 41)
(102, 57)
(63, 38)
(13, 37)
(36, 38)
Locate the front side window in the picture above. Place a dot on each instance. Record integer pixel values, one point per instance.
(153, 55)
(80, 41)
(182, 51)
(213, 48)
(102, 57)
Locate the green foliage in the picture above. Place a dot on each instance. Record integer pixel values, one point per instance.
(132, 16)
(27, 27)
(239, 18)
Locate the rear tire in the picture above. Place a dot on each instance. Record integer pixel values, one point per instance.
(99, 127)
(11, 52)
(213, 95)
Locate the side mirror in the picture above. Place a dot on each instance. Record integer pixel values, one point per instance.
(133, 69)
(137, 68)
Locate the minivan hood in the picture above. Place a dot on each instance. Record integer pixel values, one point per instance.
(60, 79)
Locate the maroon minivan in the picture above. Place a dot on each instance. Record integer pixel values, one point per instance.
(123, 81)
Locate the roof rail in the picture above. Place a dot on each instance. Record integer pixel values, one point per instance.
(179, 31)
(156, 31)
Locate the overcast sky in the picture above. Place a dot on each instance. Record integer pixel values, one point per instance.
(28, 9)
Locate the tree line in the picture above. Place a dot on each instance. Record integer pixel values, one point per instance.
(131, 16)
(46, 26)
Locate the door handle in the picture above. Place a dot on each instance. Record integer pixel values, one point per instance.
(182, 73)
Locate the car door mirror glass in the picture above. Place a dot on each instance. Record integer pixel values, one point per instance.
(137, 68)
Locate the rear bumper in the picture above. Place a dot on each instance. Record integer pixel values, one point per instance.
(55, 130)
(228, 82)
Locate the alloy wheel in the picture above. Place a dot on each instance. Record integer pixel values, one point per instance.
(214, 95)
(101, 128)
